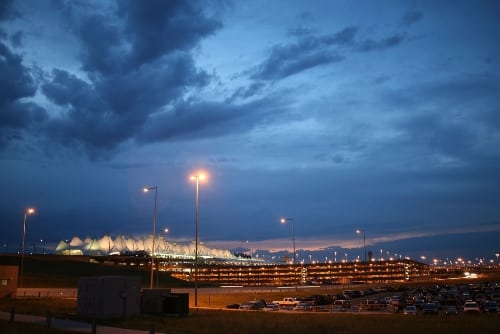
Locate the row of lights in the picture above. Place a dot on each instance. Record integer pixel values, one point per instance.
(284, 220)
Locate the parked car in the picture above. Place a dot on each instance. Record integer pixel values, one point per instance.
(341, 305)
(233, 306)
(495, 296)
(395, 301)
(430, 308)
(419, 303)
(320, 308)
(303, 307)
(490, 306)
(271, 307)
(286, 302)
(372, 305)
(410, 310)
(348, 294)
(451, 310)
(258, 304)
(471, 307)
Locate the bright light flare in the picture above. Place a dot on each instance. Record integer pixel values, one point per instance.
(30, 211)
(148, 189)
(199, 176)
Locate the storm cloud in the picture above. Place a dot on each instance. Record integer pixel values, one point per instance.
(382, 116)
(136, 60)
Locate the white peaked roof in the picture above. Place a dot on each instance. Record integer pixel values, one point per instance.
(62, 246)
(92, 246)
(120, 243)
(131, 244)
(106, 243)
(76, 242)
(148, 244)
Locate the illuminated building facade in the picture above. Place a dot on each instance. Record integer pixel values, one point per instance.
(318, 273)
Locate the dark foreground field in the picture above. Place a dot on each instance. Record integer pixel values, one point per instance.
(20, 328)
(203, 321)
(209, 322)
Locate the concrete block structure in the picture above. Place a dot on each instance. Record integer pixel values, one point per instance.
(109, 296)
(8, 281)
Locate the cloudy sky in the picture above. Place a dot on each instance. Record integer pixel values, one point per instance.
(378, 115)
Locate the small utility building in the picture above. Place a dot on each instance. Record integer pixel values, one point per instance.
(109, 296)
(8, 281)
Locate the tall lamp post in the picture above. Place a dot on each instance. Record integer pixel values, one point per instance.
(283, 221)
(167, 248)
(358, 231)
(147, 189)
(197, 178)
(27, 212)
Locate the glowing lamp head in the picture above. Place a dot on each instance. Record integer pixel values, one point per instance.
(148, 189)
(30, 211)
(199, 177)
(283, 220)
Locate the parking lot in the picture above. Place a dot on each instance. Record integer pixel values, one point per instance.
(449, 300)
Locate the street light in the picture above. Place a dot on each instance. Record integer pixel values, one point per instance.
(283, 221)
(197, 178)
(358, 231)
(241, 250)
(166, 249)
(147, 189)
(27, 212)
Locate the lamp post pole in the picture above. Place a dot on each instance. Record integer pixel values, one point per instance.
(358, 231)
(147, 189)
(165, 244)
(196, 245)
(241, 252)
(283, 221)
(197, 179)
(27, 212)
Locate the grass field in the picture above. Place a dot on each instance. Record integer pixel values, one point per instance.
(62, 272)
(7, 327)
(204, 321)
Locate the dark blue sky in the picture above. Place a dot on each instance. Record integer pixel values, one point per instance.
(379, 115)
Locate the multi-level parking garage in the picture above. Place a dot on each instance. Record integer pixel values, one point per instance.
(318, 273)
